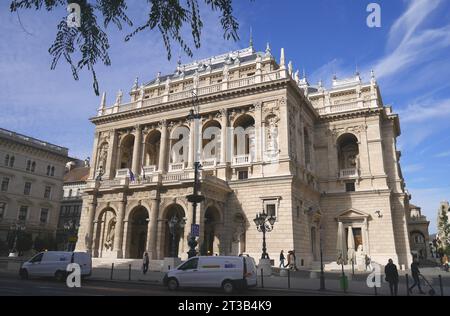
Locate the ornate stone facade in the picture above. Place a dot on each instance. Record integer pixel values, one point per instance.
(311, 157)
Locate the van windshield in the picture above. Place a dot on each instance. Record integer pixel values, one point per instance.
(189, 265)
(37, 258)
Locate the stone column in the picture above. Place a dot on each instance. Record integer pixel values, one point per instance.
(258, 133)
(163, 146)
(191, 143)
(90, 226)
(365, 231)
(223, 136)
(125, 239)
(93, 170)
(112, 155)
(118, 233)
(137, 150)
(153, 229)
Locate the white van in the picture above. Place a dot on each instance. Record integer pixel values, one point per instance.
(228, 273)
(54, 264)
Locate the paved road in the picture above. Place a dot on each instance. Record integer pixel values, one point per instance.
(13, 286)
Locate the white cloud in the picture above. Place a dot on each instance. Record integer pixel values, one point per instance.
(443, 154)
(412, 168)
(415, 113)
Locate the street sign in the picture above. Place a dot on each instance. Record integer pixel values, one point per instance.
(195, 229)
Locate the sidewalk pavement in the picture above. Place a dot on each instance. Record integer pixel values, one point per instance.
(299, 280)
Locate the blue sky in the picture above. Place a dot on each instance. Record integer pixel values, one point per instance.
(410, 54)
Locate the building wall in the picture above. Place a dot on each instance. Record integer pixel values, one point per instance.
(18, 175)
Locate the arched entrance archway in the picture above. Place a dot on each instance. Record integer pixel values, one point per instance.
(173, 241)
(211, 241)
(137, 236)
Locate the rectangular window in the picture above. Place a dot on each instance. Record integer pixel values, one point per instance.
(242, 175)
(47, 192)
(5, 184)
(271, 209)
(2, 210)
(350, 187)
(23, 212)
(27, 188)
(44, 216)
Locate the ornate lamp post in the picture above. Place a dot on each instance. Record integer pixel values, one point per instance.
(264, 223)
(322, 275)
(194, 198)
(16, 228)
(70, 227)
(175, 225)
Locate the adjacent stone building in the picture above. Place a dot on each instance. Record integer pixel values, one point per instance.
(418, 231)
(77, 173)
(269, 141)
(31, 175)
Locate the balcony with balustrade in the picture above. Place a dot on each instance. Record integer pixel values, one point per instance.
(351, 173)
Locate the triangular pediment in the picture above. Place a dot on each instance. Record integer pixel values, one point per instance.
(352, 214)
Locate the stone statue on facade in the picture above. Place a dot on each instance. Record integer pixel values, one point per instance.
(119, 97)
(109, 242)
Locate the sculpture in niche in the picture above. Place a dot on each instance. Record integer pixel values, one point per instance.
(109, 242)
(271, 136)
(103, 156)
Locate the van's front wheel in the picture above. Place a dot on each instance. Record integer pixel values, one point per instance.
(23, 274)
(228, 286)
(172, 284)
(60, 276)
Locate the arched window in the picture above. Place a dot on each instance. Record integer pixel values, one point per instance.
(11, 161)
(70, 193)
(28, 165)
(48, 170)
(53, 171)
(33, 166)
(6, 160)
(307, 144)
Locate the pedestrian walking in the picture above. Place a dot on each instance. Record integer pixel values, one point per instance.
(415, 275)
(145, 263)
(282, 258)
(391, 273)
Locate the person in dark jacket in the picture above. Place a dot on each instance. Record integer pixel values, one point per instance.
(390, 270)
(415, 275)
(282, 258)
(145, 263)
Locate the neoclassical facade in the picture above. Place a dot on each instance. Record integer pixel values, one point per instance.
(267, 141)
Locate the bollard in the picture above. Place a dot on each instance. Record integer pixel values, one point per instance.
(112, 270)
(289, 279)
(440, 285)
(407, 284)
(262, 278)
(129, 272)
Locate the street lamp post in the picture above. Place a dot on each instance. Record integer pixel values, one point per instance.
(264, 223)
(70, 227)
(175, 224)
(322, 274)
(16, 228)
(194, 198)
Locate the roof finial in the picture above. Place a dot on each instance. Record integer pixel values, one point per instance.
(136, 84)
(282, 59)
(268, 50)
(297, 76)
(103, 101)
(291, 68)
(373, 80)
(304, 73)
(251, 37)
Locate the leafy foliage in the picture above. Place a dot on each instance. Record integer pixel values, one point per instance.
(90, 41)
(24, 242)
(444, 228)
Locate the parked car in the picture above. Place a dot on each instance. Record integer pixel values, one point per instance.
(54, 264)
(228, 273)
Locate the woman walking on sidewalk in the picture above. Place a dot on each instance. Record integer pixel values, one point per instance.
(145, 263)
(282, 258)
